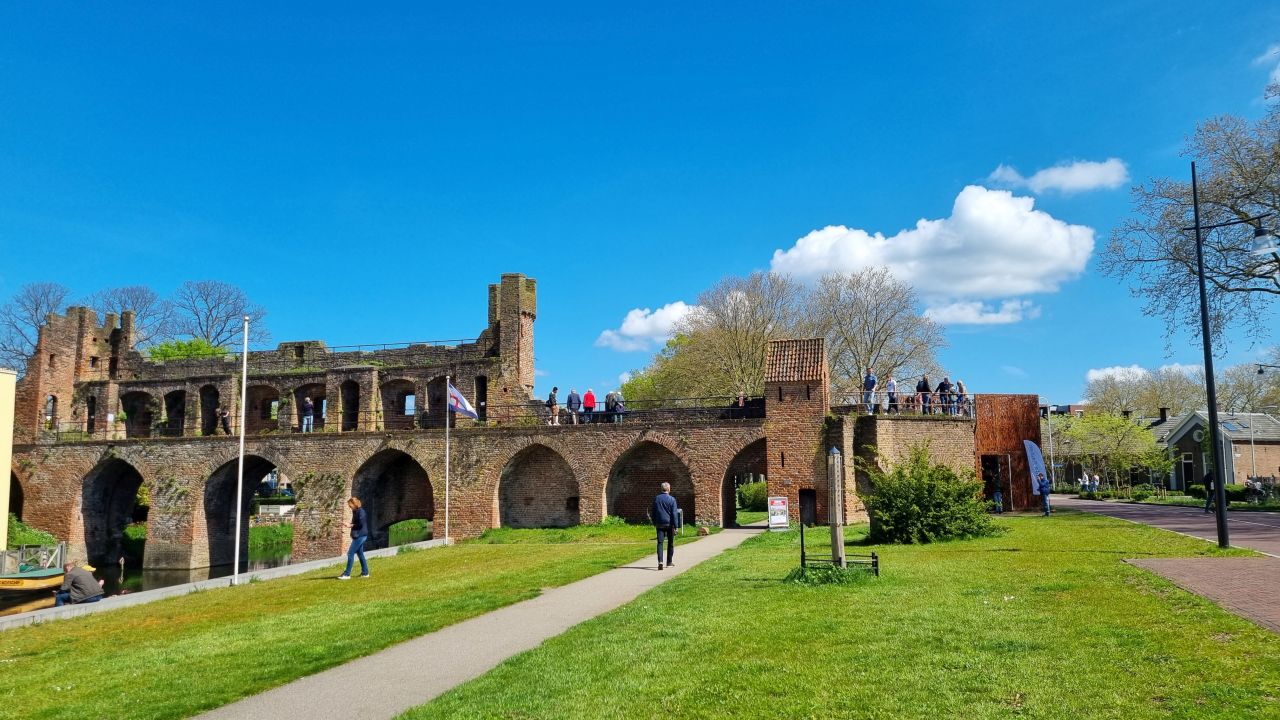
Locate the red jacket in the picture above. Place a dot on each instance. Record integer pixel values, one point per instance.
(589, 401)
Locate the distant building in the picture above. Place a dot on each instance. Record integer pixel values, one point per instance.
(1251, 444)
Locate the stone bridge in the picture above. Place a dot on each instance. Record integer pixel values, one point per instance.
(500, 476)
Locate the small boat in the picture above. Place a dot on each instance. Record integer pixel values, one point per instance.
(31, 567)
(39, 579)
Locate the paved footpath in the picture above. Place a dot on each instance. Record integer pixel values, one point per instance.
(1244, 586)
(403, 676)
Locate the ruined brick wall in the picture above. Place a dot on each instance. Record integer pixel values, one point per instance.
(887, 440)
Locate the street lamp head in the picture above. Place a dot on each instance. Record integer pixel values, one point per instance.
(1264, 241)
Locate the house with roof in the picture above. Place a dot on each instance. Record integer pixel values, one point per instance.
(1251, 447)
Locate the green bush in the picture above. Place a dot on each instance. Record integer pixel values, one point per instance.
(1142, 492)
(1196, 491)
(1235, 493)
(919, 502)
(21, 533)
(273, 536)
(754, 496)
(135, 540)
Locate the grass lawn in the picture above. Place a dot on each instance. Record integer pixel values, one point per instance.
(746, 517)
(1045, 621)
(175, 657)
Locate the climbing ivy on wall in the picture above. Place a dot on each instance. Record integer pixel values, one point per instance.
(169, 494)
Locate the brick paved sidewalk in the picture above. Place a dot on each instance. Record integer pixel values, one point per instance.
(1244, 586)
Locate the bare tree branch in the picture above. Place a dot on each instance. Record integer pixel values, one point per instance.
(211, 310)
(23, 316)
(153, 315)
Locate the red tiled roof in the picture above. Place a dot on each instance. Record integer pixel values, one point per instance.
(796, 361)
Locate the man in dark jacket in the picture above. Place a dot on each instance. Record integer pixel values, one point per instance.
(78, 586)
(664, 515)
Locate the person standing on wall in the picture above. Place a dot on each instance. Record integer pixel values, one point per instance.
(891, 389)
(574, 403)
(588, 405)
(224, 417)
(664, 514)
(869, 391)
(553, 407)
(308, 414)
(359, 536)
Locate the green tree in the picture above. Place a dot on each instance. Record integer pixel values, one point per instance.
(185, 350)
(1117, 444)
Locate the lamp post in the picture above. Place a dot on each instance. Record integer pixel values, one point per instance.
(1220, 490)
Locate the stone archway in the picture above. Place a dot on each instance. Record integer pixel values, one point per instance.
(393, 487)
(748, 465)
(636, 478)
(537, 489)
(220, 511)
(108, 500)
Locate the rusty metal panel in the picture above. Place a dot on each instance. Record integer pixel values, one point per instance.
(1003, 422)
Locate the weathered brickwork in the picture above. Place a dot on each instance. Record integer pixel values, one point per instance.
(797, 398)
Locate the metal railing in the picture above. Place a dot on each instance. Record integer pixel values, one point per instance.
(530, 413)
(32, 557)
(880, 402)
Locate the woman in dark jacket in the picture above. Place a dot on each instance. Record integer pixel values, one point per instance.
(359, 534)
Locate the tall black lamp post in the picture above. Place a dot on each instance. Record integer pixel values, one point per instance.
(1219, 484)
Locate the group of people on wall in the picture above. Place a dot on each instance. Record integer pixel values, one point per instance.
(945, 398)
(581, 409)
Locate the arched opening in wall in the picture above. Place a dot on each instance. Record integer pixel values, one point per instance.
(114, 521)
(91, 414)
(437, 402)
(350, 391)
(319, 406)
(395, 491)
(15, 495)
(139, 412)
(264, 409)
(209, 400)
(220, 507)
(482, 397)
(745, 470)
(51, 412)
(399, 404)
(537, 489)
(636, 478)
(175, 412)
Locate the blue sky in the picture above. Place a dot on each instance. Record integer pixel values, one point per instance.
(365, 172)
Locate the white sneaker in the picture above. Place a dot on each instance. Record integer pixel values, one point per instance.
(363, 576)
(344, 577)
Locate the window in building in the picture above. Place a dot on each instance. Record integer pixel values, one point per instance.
(93, 361)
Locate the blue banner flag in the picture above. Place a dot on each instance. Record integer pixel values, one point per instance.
(459, 404)
(1035, 462)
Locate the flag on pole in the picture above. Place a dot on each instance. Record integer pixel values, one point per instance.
(1035, 463)
(459, 404)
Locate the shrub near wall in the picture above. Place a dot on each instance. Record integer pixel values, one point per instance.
(753, 496)
(919, 502)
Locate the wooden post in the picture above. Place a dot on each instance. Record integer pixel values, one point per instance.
(835, 505)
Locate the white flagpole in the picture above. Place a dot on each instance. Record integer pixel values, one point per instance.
(448, 408)
(244, 394)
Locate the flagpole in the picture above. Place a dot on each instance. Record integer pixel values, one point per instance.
(447, 409)
(244, 393)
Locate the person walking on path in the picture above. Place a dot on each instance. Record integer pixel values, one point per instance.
(359, 535)
(308, 414)
(664, 519)
(78, 586)
(553, 406)
(588, 405)
(1210, 496)
(224, 417)
(574, 403)
(1044, 486)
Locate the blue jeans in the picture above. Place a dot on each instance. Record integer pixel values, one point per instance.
(1044, 501)
(64, 598)
(357, 548)
(998, 499)
(670, 534)
(308, 422)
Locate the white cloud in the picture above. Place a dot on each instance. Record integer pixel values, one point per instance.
(624, 378)
(993, 245)
(645, 329)
(1070, 177)
(1118, 372)
(977, 312)
(1271, 57)
(1188, 370)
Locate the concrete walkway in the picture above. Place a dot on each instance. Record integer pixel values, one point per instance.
(1244, 586)
(389, 682)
